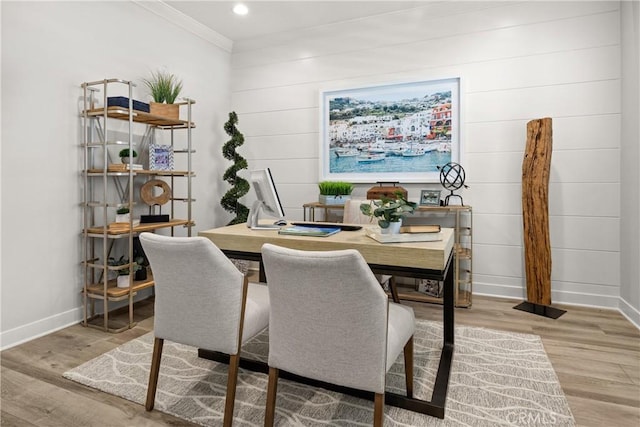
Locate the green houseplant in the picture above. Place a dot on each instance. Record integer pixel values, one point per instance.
(122, 214)
(165, 89)
(124, 155)
(123, 273)
(388, 211)
(334, 192)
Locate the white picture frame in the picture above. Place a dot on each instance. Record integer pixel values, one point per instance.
(403, 120)
(160, 157)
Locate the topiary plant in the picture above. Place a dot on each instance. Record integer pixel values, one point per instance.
(240, 186)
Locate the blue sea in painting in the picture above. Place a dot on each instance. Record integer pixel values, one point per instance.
(427, 162)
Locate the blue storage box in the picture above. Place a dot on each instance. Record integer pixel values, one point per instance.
(123, 101)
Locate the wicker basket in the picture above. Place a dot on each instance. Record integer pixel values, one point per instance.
(169, 111)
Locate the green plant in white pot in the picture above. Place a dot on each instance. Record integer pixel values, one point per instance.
(334, 192)
(122, 214)
(389, 212)
(125, 155)
(123, 279)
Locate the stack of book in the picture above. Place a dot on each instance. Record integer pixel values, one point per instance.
(304, 230)
(408, 233)
(123, 167)
(122, 226)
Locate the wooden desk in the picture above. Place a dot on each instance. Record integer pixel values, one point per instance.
(430, 260)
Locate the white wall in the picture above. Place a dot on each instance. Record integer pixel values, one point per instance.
(630, 159)
(518, 61)
(48, 50)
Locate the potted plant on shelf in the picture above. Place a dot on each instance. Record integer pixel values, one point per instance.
(122, 215)
(165, 88)
(122, 281)
(389, 212)
(334, 192)
(124, 155)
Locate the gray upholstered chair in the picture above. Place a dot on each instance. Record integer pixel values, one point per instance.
(331, 321)
(204, 301)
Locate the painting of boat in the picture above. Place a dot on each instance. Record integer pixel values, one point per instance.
(413, 152)
(396, 131)
(370, 157)
(351, 152)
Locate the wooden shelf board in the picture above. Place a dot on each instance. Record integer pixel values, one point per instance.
(99, 231)
(443, 208)
(100, 172)
(113, 326)
(121, 113)
(114, 292)
(463, 300)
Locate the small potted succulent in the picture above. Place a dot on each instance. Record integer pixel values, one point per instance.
(389, 212)
(334, 192)
(122, 214)
(124, 155)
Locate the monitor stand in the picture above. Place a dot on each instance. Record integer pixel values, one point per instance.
(253, 220)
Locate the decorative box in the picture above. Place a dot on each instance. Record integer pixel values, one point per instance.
(388, 191)
(123, 101)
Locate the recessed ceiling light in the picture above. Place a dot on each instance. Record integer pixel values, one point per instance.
(240, 9)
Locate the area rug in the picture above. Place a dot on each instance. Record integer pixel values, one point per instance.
(497, 379)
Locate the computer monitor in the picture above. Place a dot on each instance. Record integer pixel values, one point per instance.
(268, 201)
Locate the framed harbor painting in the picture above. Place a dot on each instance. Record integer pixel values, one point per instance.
(397, 132)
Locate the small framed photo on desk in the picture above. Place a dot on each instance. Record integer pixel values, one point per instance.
(430, 198)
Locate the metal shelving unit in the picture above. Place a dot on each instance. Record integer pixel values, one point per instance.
(105, 191)
(460, 218)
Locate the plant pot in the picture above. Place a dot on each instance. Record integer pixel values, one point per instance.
(333, 200)
(125, 160)
(393, 228)
(123, 217)
(122, 281)
(168, 111)
(140, 274)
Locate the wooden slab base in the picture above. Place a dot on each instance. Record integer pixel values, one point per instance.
(540, 310)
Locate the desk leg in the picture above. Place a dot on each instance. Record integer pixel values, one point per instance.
(448, 306)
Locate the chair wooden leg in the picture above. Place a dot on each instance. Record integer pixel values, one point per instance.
(153, 373)
(378, 410)
(394, 290)
(272, 388)
(408, 366)
(232, 381)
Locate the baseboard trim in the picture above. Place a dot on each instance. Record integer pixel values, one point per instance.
(571, 298)
(39, 328)
(630, 312)
(51, 324)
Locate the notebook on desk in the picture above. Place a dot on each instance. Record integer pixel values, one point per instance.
(304, 230)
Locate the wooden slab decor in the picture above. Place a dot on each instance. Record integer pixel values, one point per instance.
(535, 210)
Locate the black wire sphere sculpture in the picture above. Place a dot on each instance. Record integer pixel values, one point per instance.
(452, 178)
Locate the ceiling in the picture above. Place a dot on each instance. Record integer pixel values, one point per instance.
(271, 17)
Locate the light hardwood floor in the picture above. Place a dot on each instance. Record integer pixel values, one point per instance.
(595, 353)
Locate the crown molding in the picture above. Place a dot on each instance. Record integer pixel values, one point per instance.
(180, 19)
